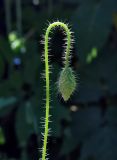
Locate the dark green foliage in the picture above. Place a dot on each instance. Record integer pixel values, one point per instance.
(85, 127)
(92, 25)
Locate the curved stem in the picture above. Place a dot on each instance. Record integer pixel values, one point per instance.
(67, 56)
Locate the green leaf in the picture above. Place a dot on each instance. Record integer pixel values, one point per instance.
(103, 143)
(68, 139)
(97, 78)
(92, 24)
(24, 128)
(85, 122)
(5, 102)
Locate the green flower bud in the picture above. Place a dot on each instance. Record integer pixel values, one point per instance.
(67, 83)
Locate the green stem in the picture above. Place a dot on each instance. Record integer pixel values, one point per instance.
(67, 56)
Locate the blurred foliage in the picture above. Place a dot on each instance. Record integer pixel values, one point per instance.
(85, 127)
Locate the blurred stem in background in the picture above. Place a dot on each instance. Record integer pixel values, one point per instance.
(7, 5)
(19, 17)
(8, 13)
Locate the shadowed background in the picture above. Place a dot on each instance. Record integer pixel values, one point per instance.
(85, 127)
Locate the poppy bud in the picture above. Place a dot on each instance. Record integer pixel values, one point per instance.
(67, 83)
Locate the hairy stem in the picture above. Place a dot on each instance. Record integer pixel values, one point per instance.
(67, 57)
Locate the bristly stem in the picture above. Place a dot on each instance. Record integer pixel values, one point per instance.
(67, 57)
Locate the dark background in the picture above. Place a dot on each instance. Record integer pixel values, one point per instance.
(85, 127)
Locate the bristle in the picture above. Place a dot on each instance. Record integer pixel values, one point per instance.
(68, 46)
